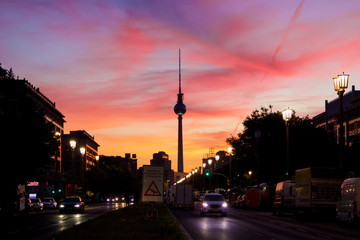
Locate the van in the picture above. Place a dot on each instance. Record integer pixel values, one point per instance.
(348, 208)
(284, 197)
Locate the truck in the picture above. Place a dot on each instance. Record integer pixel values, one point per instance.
(181, 196)
(284, 200)
(318, 189)
(347, 209)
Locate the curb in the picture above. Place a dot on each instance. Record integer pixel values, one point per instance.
(187, 235)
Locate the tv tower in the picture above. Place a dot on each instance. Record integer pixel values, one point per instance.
(180, 110)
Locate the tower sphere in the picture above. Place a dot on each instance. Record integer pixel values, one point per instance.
(180, 108)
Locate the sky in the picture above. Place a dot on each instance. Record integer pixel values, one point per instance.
(112, 66)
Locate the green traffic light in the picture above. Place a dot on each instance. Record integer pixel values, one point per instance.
(207, 173)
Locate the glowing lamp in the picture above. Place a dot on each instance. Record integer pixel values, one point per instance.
(82, 150)
(341, 82)
(287, 113)
(72, 144)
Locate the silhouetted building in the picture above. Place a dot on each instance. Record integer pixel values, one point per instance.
(50, 178)
(76, 163)
(329, 119)
(129, 162)
(161, 159)
(224, 159)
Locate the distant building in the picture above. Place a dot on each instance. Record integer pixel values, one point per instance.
(328, 118)
(224, 159)
(129, 162)
(75, 164)
(161, 159)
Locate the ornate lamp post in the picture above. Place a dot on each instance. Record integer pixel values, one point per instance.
(340, 84)
(230, 149)
(287, 113)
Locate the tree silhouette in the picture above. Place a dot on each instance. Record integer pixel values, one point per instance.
(261, 147)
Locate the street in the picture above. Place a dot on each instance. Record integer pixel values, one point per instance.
(260, 224)
(43, 225)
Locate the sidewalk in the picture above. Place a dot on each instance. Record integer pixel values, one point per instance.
(140, 221)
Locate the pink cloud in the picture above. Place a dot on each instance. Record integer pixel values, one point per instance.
(112, 66)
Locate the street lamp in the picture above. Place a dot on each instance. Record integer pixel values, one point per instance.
(230, 149)
(250, 173)
(340, 84)
(73, 144)
(82, 151)
(287, 113)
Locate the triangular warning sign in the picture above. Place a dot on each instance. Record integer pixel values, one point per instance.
(152, 190)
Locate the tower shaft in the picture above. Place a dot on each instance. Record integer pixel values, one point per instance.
(180, 146)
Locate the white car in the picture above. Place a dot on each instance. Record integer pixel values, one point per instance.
(213, 203)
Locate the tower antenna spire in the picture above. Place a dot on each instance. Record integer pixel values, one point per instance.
(179, 70)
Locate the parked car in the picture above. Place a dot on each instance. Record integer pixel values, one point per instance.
(348, 208)
(72, 204)
(241, 201)
(36, 204)
(284, 197)
(49, 203)
(213, 203)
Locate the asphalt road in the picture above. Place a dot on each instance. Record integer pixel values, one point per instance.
(43, 225)
(257, 224)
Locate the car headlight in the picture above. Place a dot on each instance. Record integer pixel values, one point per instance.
(204, 204)
(108, 199)
(224, 204)
(77, 205)
(62, 205)
(116, 199)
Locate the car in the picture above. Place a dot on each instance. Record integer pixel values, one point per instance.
(49, 202)
(116, 198)
(36, 204)
(72, 204)
(213, 203)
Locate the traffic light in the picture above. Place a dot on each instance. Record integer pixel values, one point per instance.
(207, 173)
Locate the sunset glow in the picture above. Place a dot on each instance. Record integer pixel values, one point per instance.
(112, 66)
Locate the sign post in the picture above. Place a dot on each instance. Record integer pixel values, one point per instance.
(153, 183)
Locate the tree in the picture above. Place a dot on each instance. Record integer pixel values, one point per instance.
(109, 178)
(261, 147)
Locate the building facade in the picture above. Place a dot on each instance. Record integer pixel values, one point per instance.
(51, 171)
(329, 118)
(77, 159)
(129, 162)
(161, 159)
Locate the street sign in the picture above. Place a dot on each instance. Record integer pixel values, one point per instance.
(153, 182)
